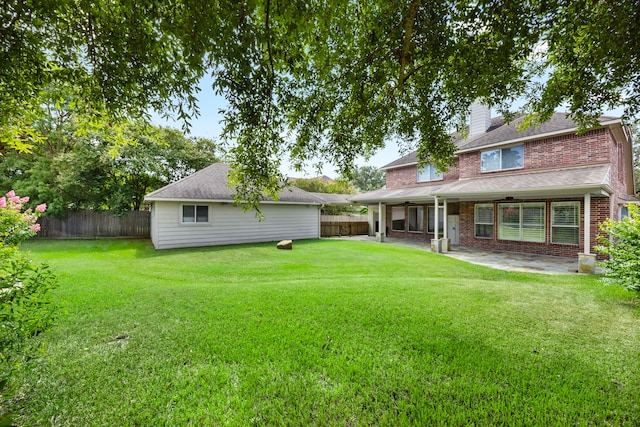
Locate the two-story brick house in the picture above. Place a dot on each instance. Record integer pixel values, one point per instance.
(543, 190)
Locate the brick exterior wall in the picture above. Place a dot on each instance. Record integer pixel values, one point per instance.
(593, 147)
(569, 150)
(408, 176)
(617, 175)
(599, 213)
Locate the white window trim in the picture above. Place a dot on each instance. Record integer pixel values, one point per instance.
(500, 151)
(521, 222)
(440, 175)
(624, 210)
(404, 219)
(475, 220)
(195, 223)
(577, 226)
(420, 225)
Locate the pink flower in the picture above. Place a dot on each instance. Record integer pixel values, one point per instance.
(3, 202)
(25, 199)
(34, 227)
(14, 199)
(11, 194)
(41, 208)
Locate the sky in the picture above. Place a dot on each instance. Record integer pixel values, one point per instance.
(208, 125)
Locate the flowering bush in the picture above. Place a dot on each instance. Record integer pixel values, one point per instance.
(15, 225)
(25, 309)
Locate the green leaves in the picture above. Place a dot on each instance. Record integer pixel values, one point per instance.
(622, 244)
(323, 80)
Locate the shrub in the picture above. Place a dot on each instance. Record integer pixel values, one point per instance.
(25, 308)
(622, 244)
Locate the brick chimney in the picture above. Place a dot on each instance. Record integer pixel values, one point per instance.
(480, 118)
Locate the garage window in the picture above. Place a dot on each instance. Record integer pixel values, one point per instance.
(195, 214)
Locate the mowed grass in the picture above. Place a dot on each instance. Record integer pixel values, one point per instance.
(332, 333)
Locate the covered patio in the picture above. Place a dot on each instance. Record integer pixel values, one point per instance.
(509, 261)
(447, 215)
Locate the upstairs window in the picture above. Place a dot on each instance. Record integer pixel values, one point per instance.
(195, 214)
(502, 159)
(429, 173)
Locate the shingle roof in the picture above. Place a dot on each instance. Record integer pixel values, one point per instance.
(334, 199)
(210, 184)
(501, 132)
(401, 194)
(542, 183)
(564, 179)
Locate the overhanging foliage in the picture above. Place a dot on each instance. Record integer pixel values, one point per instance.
(326, 79)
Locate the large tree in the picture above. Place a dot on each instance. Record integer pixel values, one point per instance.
(332, 79)
(368, 178)
(636, 166)
(89, 174)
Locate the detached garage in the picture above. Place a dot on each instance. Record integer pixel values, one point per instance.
(198, 211)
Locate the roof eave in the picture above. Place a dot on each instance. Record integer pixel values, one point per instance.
(542, 192)
(538, 136)
(404, 165)
(187, 200)
(426, 198)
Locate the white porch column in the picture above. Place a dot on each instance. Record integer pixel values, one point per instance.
(587, 223)
(587, 260)
(444, 220)
(446, 247)
(381, 222)
(435, 219)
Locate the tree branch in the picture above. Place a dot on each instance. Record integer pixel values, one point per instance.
(271, 73)
(408, 32)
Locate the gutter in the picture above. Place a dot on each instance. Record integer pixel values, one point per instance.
(227, 201)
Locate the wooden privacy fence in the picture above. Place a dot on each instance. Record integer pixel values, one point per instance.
(343, 225)
(137, 224)
(94, 224)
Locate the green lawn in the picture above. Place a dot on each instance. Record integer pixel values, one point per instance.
(331, 333)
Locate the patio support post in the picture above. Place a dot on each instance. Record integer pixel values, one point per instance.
(587, 260)
(435, 219)
(381, 225)
(445, 238)
(444, 220)
(587, 223)
(436, 244)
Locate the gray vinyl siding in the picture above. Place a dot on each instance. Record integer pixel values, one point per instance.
(230, 225)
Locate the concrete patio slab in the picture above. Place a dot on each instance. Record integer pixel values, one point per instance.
(510, 261)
